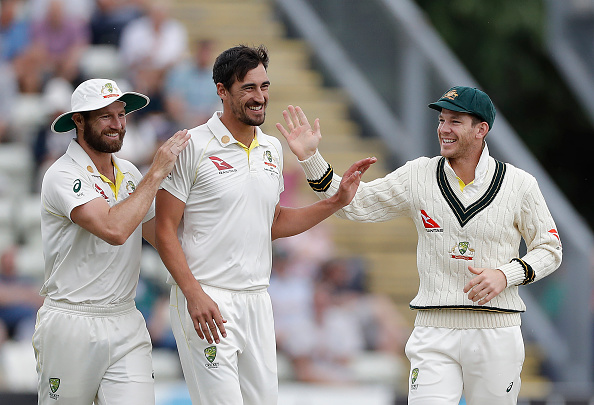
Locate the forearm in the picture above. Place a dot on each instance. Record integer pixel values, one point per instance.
(293, 221)
(379, 200)
(544, 250)
(124, 217)
(175, 261)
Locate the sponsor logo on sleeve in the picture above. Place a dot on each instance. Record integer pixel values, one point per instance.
(556, 235)
(77, 187)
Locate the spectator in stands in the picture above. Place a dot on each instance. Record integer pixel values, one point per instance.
(109, 19)
(190, 93)
(323, 347)
(58, 42)
(383, 326)
(149, 47)
(48, 146)
(159, 324)
(19, 299)
(291, 294)
(15, 41)
(79, 10)
(14, 30)
(10, 90)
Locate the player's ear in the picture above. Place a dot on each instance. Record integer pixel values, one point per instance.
(483, 130)
(79, 120)
(221, 91)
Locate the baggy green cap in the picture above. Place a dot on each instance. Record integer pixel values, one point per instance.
(468, 100)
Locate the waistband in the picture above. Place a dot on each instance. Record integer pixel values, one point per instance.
(257, 290)
(99, 310)
(466, 319)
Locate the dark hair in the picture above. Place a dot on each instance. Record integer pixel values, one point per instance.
(234, 63)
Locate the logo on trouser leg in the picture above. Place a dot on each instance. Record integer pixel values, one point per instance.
(413, 378)
(510, 387)
(211, 354)
(54, 384)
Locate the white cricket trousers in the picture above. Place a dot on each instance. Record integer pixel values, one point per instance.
(91, 353)
(484, 364)
(241, 369)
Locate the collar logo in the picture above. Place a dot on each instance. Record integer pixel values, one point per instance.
(452, 94)
(462, 251)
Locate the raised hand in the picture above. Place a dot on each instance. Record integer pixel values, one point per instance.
(303, 140)
(351, 179)
(167, 153)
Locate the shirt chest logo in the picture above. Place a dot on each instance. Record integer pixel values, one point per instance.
(269, 163)
(430, 224)
(462, 251)
(100, 191)
(222, 166)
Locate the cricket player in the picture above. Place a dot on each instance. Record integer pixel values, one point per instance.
(217, 215)
(471, 212)
(90, 341)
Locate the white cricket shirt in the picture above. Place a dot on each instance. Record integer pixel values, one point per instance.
(79, 266)
(230, 198)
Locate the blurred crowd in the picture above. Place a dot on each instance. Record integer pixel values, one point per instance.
(330, 328)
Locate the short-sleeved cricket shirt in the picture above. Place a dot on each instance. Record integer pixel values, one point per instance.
(79, 266)
(230, 195)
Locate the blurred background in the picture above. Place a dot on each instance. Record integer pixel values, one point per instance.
(367, 69)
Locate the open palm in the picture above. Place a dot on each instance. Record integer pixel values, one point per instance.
(303, 140)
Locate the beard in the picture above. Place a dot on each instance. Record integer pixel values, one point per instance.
(242, 116)
(96, 141)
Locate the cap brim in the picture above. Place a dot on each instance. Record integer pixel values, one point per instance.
(438, 105)
(134, 101)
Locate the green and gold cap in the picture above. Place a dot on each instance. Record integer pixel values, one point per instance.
(468, 100)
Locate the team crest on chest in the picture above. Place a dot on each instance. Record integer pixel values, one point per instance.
(462, 251)
(270, 164)
(130, 186)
